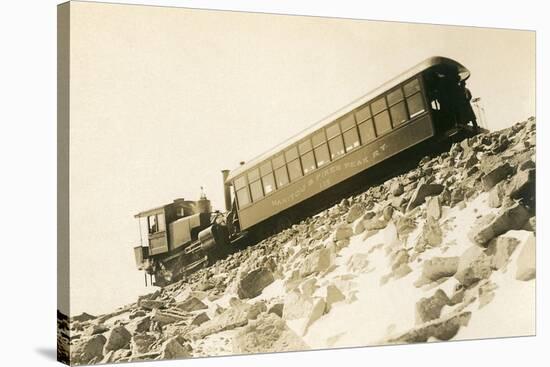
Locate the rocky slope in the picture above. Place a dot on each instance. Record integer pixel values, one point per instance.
(446, 251)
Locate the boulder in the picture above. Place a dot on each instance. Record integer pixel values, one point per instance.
(89, 349)
(343, 232)
(375, 224)
(439, 267)
(496, 175)
(309, 286)
(316, 262)
(252, 284)
(151, 304)
(523, 185)
(165, 317)
(314, 314)
(119, 338)
(191, 304)
(432, 235)
(433, 207)
(355, 212)
(200, 319)
(267, 334)
(143, 325)
(429, 308)
(231, 318)
(500, 249)
(489, 226)
(473, 266)
(172, 349)
(396, 188)
(277, 309)
(141, 343)
(422, 192)
(526, 261)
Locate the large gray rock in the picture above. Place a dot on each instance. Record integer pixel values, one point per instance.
(523, 184)
(489, 226)
(172, 349)
(422, 192)
(252, 284)
(355, 212)
(500, 249)
(429, 308)
(141, 343)
(119, 338)
(191, 304)
(473, 266)
(496, 175)
(439, 267)
(89, 349)
(267, 334)
(526, 262)
(316, 262)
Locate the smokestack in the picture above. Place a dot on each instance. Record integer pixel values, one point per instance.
(226, 190)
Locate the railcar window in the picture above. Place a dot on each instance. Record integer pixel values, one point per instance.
(378, 105)
(395, 96)
(294, 170)
(308, 162)
(321, 155)
(269, 183)
(153, 224)
(281, 176)
(333, 130)
(318, 138)
(363, 113)
(347, 122)
(278, 161)
(291, 154)
(398, 113)
(336, 146)
(243, 197)
(415, 104)
(366, 131)
(240, 182)
(265, 168)
(411, 87)
(253, 175)
(256, 190)
(382, 122)
(351, 139)
(305, 146)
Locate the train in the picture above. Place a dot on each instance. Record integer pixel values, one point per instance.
(380, 134)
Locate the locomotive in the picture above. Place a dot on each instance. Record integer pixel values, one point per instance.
(380, 134)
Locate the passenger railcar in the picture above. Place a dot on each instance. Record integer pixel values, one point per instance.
(418, 111)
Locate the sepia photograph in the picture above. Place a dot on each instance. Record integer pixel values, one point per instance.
(234, 183)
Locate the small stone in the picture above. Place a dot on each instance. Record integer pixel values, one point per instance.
(200, 319)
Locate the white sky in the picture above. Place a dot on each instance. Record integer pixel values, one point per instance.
(162, 99)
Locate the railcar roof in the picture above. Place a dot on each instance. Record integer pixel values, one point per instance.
(418, 68)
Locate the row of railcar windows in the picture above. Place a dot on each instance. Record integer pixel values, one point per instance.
(346, 134)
